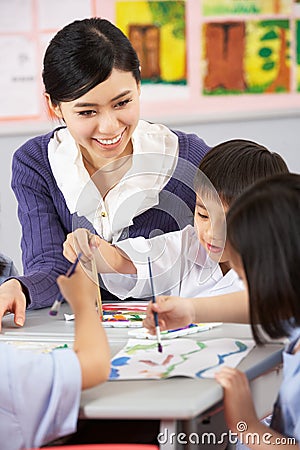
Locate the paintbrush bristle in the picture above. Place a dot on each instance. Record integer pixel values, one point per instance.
(55, 308)
(159, 346)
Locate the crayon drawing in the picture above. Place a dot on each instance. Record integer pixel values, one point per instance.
(139, 359)
(250, 57)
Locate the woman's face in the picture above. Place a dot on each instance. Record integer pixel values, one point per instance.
(102, 120)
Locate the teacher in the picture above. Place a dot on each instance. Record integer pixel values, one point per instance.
(104, 169)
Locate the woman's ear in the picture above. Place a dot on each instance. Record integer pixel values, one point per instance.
(54, 110)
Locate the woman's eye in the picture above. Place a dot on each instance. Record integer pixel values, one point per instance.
(87, 113)
(123, 103)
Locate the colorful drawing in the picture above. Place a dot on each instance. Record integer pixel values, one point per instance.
(180, 357)
(239, 7)
(156, 30)
(246, 57)
(37, 346)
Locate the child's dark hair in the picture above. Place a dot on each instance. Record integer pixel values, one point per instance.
(82, 55)
(232, 166)
(263, 227)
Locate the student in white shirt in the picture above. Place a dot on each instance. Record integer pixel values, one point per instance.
(40, 392)
(192, 262)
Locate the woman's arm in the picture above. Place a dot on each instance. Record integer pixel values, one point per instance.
(45, 221)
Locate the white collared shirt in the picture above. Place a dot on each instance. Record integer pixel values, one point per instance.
(180, 267)
(155, 154)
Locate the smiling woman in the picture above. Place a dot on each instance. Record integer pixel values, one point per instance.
(103, 169)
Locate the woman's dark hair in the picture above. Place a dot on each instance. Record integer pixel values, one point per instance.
(263, 227)
(232, 166)
(82, 55)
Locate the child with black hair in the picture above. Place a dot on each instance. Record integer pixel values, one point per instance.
(192, 262)
(264, 247)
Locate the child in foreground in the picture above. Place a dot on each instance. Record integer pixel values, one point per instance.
(40, 392)
(194, 261)
(264, 246)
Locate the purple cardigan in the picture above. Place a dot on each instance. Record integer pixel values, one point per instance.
(46, 220)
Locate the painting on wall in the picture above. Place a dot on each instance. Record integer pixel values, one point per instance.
(246, 57)
(200, 59)
(223, 7)
(156, 30)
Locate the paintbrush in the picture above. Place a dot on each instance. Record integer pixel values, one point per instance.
(96, 279)
(57, 303)
(157, 329)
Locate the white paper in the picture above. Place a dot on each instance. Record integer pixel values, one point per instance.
(19, 94)
(55, 14)
(15, 16)
(140, 359)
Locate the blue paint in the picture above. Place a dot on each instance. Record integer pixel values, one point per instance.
(221, 358)
(122, 361)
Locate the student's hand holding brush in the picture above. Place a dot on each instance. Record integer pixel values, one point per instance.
(90, 343)
(173, 313)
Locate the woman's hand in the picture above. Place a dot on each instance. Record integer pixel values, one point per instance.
(108, 258)
(173, 312)
(12, 299)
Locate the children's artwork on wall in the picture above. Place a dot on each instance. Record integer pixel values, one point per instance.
(155, 27)
(223, 7)
(200, 59)
(139, 359)
(247, 57)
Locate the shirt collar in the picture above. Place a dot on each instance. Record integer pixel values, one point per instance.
(155, 150)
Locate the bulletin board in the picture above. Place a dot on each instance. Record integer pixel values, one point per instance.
(200, 59)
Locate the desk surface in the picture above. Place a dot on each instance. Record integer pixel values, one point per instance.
(170, 399)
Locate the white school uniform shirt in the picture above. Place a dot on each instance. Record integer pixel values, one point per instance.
(39, 396)
(155, 155)
(180, 267)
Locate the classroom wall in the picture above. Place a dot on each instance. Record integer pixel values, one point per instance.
(280, 134)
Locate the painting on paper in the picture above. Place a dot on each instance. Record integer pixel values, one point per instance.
(241, 7)
(156, 30)
(246, 57)
(140, 359)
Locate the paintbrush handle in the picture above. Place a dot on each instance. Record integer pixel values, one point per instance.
(157, 328)
(98, 295)
(60, 298)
